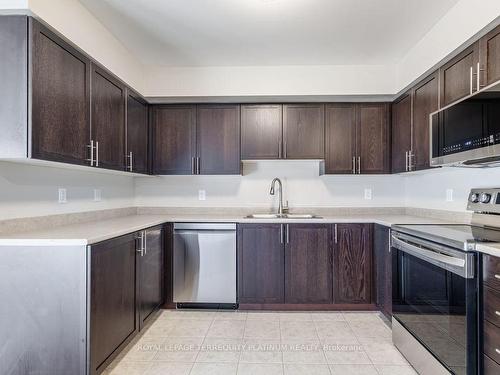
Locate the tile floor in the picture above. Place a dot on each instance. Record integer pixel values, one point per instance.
(262, 343)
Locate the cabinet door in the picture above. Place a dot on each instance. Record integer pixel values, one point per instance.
(112, 299)
(401, 133)
(60, 99)
(174, 139)
(425, 101)
(308, 263)
(304, 131)
(137, 133)
(150, 273)
(352, 261)
(457, 77)
(108, 119)
(373, 134)
(383, 269)
(218, 139)
(340, 138)
(261, 263)
(261, 131)
(489, 57)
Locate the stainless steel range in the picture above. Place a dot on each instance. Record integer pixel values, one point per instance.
(435, 294)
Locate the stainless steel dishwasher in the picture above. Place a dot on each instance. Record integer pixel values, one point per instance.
(204, 263)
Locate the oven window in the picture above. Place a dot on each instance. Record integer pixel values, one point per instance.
(430, 303)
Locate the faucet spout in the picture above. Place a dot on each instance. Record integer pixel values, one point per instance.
(280, 194)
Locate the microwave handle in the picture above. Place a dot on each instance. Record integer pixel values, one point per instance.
(450, 263)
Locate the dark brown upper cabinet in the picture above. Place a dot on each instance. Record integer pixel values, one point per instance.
(458, 77)
(308, 263)
(373, 138)
(340, 138)
(303, 131)
(261, 258)
(489, 58)
(108, 120)
(137, 133)
(174, 139)
(357, 138)
(425, 101)
(401, 133)
(218, 139)
(60, 99)
(261, 131)
(352, 261)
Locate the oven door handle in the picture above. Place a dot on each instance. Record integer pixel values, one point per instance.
(459, 266)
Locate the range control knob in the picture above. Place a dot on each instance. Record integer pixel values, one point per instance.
(485, 198)
(474, 197)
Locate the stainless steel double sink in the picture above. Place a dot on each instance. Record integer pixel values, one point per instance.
(283, 216)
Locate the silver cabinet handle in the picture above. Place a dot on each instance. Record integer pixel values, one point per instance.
(497, 276)
(336, 234)
(479, 70)
(91, 147)
(353, 165)
(497, 350)
(471, 79)
(359, 164)
(96, 154)
(140, 248)
(281, 233)
(129, 157)
(497, 312)
(389, 241)
(145, 242)
(406, 161)
(287, 234)
(410, 160)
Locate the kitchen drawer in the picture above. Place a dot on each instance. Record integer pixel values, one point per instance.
(492, 306)
(490, 366)
(491, 271)
(492, 341)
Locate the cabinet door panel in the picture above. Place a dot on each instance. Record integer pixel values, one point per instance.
(340, 138)
(150, 274)
(425, 101)
(261, 131)
(137, 133)
(455, 76)
(108, 119)
(260, 263)
(401, 133)
(489, 47)
(61, 99)
(353, 264)
(112, 298)
(304, 131)
(373, 138)
(308, 264)
(174, 139)
(218, 139)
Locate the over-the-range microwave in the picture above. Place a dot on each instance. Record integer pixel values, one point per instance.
(467, 132)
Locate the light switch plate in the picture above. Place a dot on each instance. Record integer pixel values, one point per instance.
(202, 195)
(62, 195)
(368, 194)
(97, 195)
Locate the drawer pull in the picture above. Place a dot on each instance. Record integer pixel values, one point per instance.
(497, 350)
(497, 276)
(497, 312)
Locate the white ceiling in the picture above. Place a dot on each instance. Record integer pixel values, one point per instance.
(268, 32)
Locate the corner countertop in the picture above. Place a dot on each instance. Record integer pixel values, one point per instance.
(489, 248)
(91, 232)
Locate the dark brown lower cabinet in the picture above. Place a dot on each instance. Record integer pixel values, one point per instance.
(308, 263)
(352, 260)
(383, 269)
(261, 263)
(112, 299)
(150, 273)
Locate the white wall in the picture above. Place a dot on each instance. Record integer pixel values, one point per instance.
(428, 189)
(302, 187)
(76, 23)
(33, 190)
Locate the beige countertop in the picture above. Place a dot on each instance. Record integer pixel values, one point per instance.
(489, 248)
(99, 230)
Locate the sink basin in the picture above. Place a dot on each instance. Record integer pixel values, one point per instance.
(284, 216)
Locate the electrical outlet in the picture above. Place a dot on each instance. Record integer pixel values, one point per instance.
(368, 194)
(202, 195)
(62, 195)
(449, 195)
(97, 195)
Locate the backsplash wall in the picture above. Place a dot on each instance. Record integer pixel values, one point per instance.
(27, 190)
(302, 186)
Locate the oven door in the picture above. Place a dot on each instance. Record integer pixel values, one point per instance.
(434, 299)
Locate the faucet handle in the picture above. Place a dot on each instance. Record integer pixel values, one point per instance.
(285, 207)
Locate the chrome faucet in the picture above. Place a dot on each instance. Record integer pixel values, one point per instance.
(281, 210)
